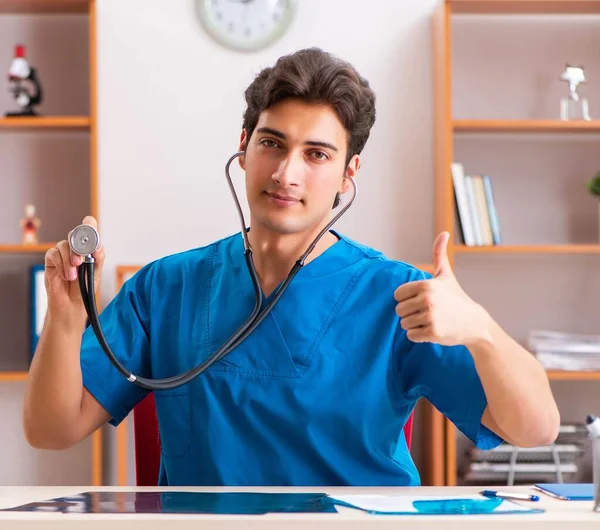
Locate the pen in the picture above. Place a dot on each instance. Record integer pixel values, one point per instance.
(515, 496)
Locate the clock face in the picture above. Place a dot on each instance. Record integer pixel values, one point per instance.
(246, 24)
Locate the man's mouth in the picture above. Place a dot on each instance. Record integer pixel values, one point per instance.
(282, 200)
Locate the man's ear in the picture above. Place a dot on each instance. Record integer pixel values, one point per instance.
(351, 171)
(242, 147)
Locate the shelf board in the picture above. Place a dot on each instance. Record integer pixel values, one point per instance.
(427, 267)
(25, 249)
(45, 122)
(560, 375)
(528, 249)
(22, 7)
(525, 7)
(10, 376)
(541, 126)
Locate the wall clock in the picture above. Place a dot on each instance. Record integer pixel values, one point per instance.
(246, 25)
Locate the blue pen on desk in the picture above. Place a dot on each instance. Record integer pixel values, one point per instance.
(516, 496)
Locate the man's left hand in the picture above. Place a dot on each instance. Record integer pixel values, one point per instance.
(438, 310)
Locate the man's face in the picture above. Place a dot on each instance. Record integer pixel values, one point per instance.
(295, 165)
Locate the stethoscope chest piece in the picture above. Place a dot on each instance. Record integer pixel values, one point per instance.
(84, 240)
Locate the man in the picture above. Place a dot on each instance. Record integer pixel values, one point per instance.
(320, 392)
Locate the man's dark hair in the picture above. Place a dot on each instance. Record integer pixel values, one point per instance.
(318, 77)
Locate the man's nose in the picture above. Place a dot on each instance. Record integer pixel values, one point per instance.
(289, 171)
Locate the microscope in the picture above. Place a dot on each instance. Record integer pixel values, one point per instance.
(21, 74)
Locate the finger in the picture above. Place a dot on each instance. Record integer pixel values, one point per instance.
(99, 257)
(441, 263)
(89, 220)
(412, 305)
(418, 320)
(54, 260)
(74, 258)
(410, 290)
(70, 271)
(422, 334)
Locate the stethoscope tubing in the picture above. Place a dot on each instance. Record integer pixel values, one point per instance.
(86, 285)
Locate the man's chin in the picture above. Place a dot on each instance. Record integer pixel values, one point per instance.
(283, 226)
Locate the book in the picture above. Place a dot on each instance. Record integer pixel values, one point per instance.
(473, 210)
(462, 204)
(493, 214)
(482, 209)
(569, 491)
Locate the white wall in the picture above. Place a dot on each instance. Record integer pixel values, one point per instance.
(170, 112)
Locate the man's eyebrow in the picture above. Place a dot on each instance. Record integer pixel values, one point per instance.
(279, 134)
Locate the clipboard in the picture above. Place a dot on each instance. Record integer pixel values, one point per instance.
(432, 505)
(568, 492)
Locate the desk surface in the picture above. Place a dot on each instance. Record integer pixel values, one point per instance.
(558, 514)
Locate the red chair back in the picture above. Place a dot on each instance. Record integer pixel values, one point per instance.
(147, 441)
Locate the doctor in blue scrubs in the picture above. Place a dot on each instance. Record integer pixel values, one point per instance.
(320, 392)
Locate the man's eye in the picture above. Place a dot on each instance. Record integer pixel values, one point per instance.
(269, 143)
(320, 155)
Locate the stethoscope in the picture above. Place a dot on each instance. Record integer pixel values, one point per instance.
(84, 240)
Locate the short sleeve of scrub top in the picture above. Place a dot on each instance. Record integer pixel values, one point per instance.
(125, 322)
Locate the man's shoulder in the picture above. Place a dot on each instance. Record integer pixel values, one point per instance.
(378, 263)
(194, 259)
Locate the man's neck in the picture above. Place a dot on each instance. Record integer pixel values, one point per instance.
(275, 254)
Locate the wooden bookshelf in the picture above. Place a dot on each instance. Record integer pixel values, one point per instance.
(20, 7)
(524, 7)
(533, 126)
(49, 124)
(528, 249)
(427, 267)
(46, 122)
(558, 375)
(26, 249)
(10, 376)
(441, 450)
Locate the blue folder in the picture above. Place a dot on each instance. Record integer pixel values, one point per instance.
(38, 305)
(568, 492)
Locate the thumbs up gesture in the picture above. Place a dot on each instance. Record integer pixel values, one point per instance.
(438, 310)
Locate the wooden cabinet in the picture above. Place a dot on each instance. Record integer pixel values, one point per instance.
(49, 161)
(496, 96)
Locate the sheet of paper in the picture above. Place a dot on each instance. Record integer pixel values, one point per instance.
(412, 504)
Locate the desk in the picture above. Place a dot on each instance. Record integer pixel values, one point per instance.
(559, 514)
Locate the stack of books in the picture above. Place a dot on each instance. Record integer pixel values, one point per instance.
(509, 465)
(475, 207)
(565, 351)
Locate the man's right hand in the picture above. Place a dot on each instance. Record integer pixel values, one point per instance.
(61, 268)
(58, 411)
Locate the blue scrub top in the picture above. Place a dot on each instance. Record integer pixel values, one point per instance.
(318, 395)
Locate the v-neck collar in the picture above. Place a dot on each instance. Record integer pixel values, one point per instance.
(332, 259)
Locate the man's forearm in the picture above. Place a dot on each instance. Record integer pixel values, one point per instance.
(519, 397)
(54, 387)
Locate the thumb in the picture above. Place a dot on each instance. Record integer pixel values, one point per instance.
(441, 263)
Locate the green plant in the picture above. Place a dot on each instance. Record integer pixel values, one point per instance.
(593, 185)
